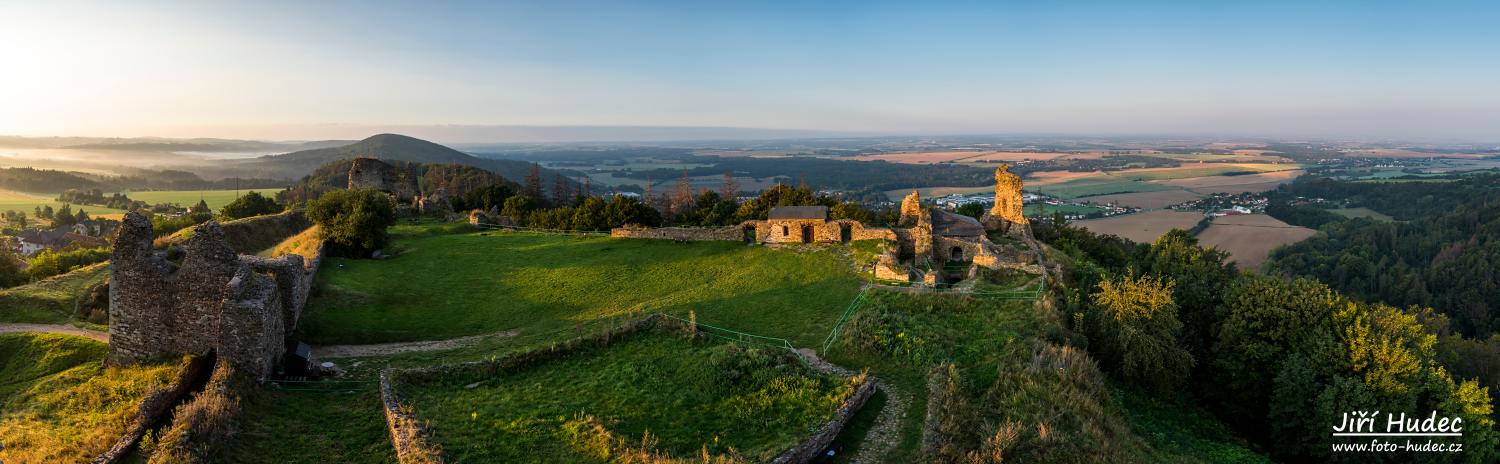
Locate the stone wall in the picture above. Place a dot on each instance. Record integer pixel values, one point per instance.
(686, 234)
(371, 173)
(814, 445)
(157, 405)
(240, 307)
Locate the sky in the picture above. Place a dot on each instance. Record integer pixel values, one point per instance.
(331, 69)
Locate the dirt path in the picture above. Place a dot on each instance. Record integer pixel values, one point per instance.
(54, 329)
(383, 349)
(882, 437)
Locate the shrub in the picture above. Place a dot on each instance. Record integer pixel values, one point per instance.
(49, 263)
(250, 204)
(354, 222)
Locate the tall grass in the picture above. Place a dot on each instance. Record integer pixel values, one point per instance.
(57, 402)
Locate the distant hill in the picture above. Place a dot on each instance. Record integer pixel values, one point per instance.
(388, 147)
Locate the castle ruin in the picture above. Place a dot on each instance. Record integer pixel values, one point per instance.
(200, 298)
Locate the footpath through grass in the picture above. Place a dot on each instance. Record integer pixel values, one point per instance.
(443, 284)
(651, 393)
(57, 402)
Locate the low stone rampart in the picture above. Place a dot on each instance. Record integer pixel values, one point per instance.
(682, 234)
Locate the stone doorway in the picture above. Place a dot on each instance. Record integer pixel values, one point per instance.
(846, 233)
(749, 234)
(957, 254)
(807, 233)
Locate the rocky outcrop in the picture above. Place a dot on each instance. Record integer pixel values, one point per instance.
(1008, 206)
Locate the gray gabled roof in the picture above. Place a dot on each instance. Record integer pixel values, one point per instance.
(799, 212)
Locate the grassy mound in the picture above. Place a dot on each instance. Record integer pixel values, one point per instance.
(306, 243)
(50, 300)
(651, 394)
(57, 404)
(443, 285)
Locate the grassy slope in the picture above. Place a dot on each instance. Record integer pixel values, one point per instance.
(448, 285)
(898, 337)
(688, 395)
(50, 300)
(57, 404)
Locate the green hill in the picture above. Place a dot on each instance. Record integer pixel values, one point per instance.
(388, 147)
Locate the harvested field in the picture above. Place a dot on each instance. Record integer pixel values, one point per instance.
(1098, 185)
(933, 157)
(1055, 177)
(1143, 227)
(1249, 238)
(1234, 184)
(1147, 200)
(1191, 170)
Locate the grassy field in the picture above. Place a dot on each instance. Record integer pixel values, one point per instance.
(341, 422)
(1035, 209)
(50, 300)
(26, 202)
(57, 404)
(215, 198)
(687, 396)
(444, 285)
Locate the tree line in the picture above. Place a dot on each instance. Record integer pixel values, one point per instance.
(1277, 358)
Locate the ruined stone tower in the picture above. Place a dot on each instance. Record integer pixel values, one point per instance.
(1008, 204)
(371, 173)
(240, 307)
(911, 209)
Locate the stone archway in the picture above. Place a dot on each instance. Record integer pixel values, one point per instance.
(957, 254)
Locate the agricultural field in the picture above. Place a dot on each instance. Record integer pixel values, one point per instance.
(934, 192)
(1095, 185)
(28, 202)
(1147, 200)
(1249, 238)
(532, 282)
(1037, 209)
(1233, 184)
(689, 397)
(971, 156)
(215, 198)
(57, 402)
(1143, 227)
(1192, 170)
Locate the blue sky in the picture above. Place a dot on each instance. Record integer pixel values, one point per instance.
(1411, 69)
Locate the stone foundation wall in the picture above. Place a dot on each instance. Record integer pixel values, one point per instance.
(814, 445)
(156, 407)
(686, 234)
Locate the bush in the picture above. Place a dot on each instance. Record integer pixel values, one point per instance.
(250, 204)
(354, 222)
(49, 263)
(1135, 326)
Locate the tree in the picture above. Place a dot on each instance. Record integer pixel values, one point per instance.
(1135, 327)
(10, 267)
(730, 189)
(974, 210)
(851, 210)
(623, 210)
(249, 205)
(682, 196)
(517, 207)
(561, 191)
(354, 222)
(534, 182)
(201, 207)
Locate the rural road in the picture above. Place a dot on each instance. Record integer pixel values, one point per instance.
(54, 329)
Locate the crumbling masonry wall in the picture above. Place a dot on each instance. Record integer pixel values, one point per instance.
(239, 307)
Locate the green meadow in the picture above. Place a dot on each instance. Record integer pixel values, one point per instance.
(690, 397)
(26, 202)
(443, 284)
(215, 198)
